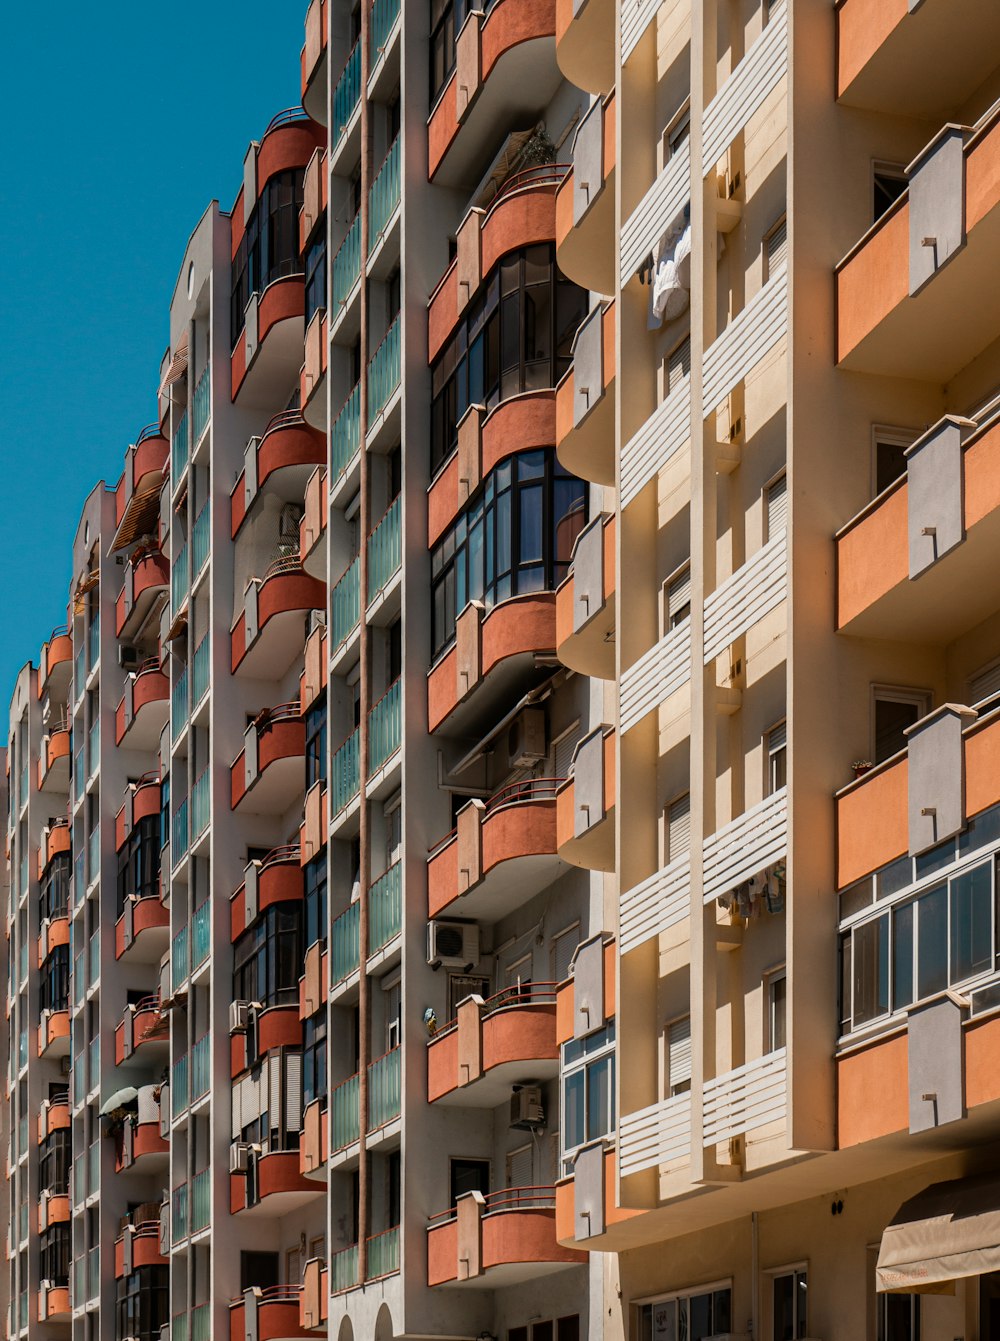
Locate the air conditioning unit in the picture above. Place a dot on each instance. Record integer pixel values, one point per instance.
(288, 522)
(129, 658)
(317, 620)
(452, 944)
(239, 1157)
(526, 743)
(239, 1013)
(526, 1111)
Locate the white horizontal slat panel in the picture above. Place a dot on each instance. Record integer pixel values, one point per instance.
(656, 211)
(636, 16)
(760, 71)
(655, 905)
(664, 432)
(746, 846)
(747, 596)
(656, 675)
(745, 341)
(746, 1099)
(655, 1135)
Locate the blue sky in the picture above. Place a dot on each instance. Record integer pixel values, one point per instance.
(120, 122)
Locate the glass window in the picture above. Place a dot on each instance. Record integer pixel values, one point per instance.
(777, 987)
(139, 862)
(971, 895)
(54, 887)
(316, 270)
(314, 1058)
(55, 1253)
(142, 1304)
(314, 874)
(269, 248)
(690, 1317)
(54, 980)
(267, 959)
(932, 941)
(897, 1317)
(894, 712)
(316, 741)
(871, 970)
(588, 1090)
(54, 1160)
(777, 767)
(789, 1299)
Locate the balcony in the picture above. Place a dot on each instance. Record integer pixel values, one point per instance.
(268, 353)
(52, 932)
(53, 1302)
(587, 1201)
(276, 879)
(315, 1293)
(146, 1026)
(501, 854)
(655, 1137)
(585, 202)
(268, 1315)
(888, 55)
(917, 559)
(274, 1187)
(142, 933)
(55, 666)
(144, 708)
(585, 401)
(746, 846)
(314, 60)
(138, 1245)
(139, 1146)
(503, 73)
(346, 606)
(273, 1028)
(53, 1033)
(585, 805)
(269, 774)
(495, 654)
(53, 762)
(53, 1116)
(383, 380)
(346, 774)
(270, 633)
(585, 43)
(277, 465)
(142, 799)
(346, 100)
(909, 293)
(346, 282)
(147, 576)
(751, 1098)
(314, 1151)
(506, 1238)
(491, 1045)
(137, 498)
(384, 730)
(56, 841)
(385, 556)
(383, 201)
(585, 603)
(312, 378)
(312, 528)
(345, 442)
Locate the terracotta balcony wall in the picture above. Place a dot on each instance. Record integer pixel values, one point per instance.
(269, 773)
(585, 805)
(278, 463)
(312, 528)
(281, 1188)
(56, 840)
(53, 763)
(143, 1025)
(315, 1148)
(271, 631)
(573, 1003)
(53, 1034)
(143, 930)
(586, 1202)
(53, 1116)
(142, 799)
(269, 348)
(314, 60)
(586, 398)
(585, 43)
(52, 932)
(510, 1235)
(147, 576)
(53, 1303)
(312, 379)
(315, 1294)
(138, 1246)
(139, 1144)
(273, 1028)
(586, 603)
(275, 879)
(315, 196)
(585, 202)
(492, 1045)
(55, 665)
(501, 854)
(314, 985)
(144, 708)
(267, 1315)
(137, 496)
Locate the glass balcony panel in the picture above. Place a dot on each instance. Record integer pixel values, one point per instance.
(179, 1088)
(385, 549)
(347, 92)
(345, 436)
(202, 669)
(201, 535)
(347, 264)
(202, 402)
(346, 773)
(179, 451)
(383, 198)
(384, 728)
(385, 907)
(201, 937)
(347, 604)
(201, 1067)
(383, 1090)
(345, 943)
(344, 1103)
(383, 373)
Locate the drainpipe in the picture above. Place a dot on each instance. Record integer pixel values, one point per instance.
(754, 1273)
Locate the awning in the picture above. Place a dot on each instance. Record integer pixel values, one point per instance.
(948, 1231)
(178, 364)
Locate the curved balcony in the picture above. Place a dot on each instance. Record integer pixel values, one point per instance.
(147, 576)
(314, 1151)
(268, 1315)
(144, 1026)
(277, 464)
(274, 1028)
(918, 558)
(54, 1115)
(506, 1238)
(312, 528)
(494, 653)
(138, 1145)
(585, 806)
(144, 708)
(501, 854)
(585, 603)
(137, 498)
(53, 1209)
(269, 774)
(53, 1303)
(312, 379)
(138, 1246)
(585, 43)
(53, 932)
(55, 665)
(143, 931)
(53, 762)
(53, 1033)
(909, 294)
(276, 879)
(503, 73)
(268, 352)
(585, 202)
(585, 401)
(270, 633)
(142, 799)
(56, 841)
(274, 1188)
(492, 1045)
(314, 60)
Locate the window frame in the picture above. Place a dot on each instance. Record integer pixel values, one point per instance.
(316, 720)
(889, 435)
(668, 1086)
(596, 1048)
(922, 699)
(774, 975)
(772, 753)
(765, 243)
(774, 1274)
(678, 1296)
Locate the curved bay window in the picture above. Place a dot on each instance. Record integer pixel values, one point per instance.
(54, 886)
(314, 874)
(269, 248)
(515, 536)
(143, 1303)
(315, 268)
(139, 862)
(267, 959)
(54, 1254)
(55, 1155)
(515, 336)
(54, 985)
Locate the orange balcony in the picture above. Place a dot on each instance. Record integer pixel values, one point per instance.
(273, 1188)
(276, 879)
(137, 498)
(312, 379)
(503, 73)
(909, 294)
(585, 401)
(494, 653)
(52, 932)
(274, 1028)
(585, 603)
(585, 202)
(147, 576)
(269, 774)
(492, 1045)
(501, 854)
(585, 43)
(889, 54)
(508, 1237)
(566, 995)
(315, 1294)
(585, 805)
(314, 61)
(53, 1116)
(586, 1215)
(277, 464)
(268, 1315)
(144, 708)
(142, 799)
(55, 665)
(56, 841)
(312, 527)
(53, 762)
(314, 985)
(143, 930)
(139, 1145)
(916, 563)
(516, 425)
(53, 1303)
(138, 1246)
(53, 1033)
(53, 1209)
(143, 1025)
(271, 632)
(315, 1148)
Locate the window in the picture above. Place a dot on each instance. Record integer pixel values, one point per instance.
(777, 766)
(588, 1090)
(789, 1297)
(316, 741)
(393, 830)
(776, 506)
(677, 133)
(889, 447)
(55, 1254)
(894, 710)
(888, 184)
(469, 1175)
(54, 886)
(314, 875)
(316, 270)
(516, 335)
(267, 959)
(677, 598)
(447, 17)
(677, 366)
(515, 536)
(142, 1304)
(678, 828)
(139, 863)
(520, 1167)
(897, 1317)
(314, 1058)
(392, 1004)
(694, 1315)
(679, 1056)
(985, 685)
(775, 247)
(563, 949)
(54, 980)
(54, 1160)
(461, 985)
(269, 248)
(777, 983)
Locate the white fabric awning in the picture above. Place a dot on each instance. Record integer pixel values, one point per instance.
(948, 1231)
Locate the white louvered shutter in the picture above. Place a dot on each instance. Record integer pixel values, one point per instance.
(519, 1167)
(274, 1091)
(238, 1123)
(678, 599)
(777, 506)
(679, 1055)
(678, 827)
(984, 685)
(293, 1091)
(777, 247)
(250, 1100)
(678, 366)
(563, 947)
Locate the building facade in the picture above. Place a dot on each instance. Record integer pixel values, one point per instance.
(415, 930)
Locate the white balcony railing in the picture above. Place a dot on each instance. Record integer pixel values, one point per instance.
(655, 1135)
(656, 675)
(745, 341)
(751, 1097)
(656, 211)
(664, 433)
(746, 846)
(744, 92)
(655, 905)
(747, 596)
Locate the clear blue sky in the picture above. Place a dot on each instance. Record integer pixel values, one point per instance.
(119, 124)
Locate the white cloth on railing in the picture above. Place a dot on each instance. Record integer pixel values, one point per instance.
(670, 291)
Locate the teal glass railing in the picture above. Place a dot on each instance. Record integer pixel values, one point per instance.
(347, 93)
(80, 1181)
(179, 958)
(179, 580)
(79, 879)
(202, 402)
(383, 1253)
(79, 1079)
(385, 908)
(94, 854)
(201, 1202)
(201, 1321)
(179, 704)
(93, 642)
(201, 1067)
(179, 1214)
(79, 979)
(383, 198)
(346, 773)
(79, 671)
(346, 602)
(94, 746)
(94, 960)
(93, 1273)
(385, 549)
(346, 1114)
(94, 1167)
(383, 1090)
(179, 451)
(94, 1063)
(384, 15)
(79, 1285)
(179, 832)
(344, 1269)
(383, 728)
(344, 944)
(179, 1087)
(383, 373)
(200, 805)
(201, 535)
(345, 436)
(202, 669)
(201, 934)
(347, 264)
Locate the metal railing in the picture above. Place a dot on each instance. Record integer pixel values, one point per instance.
(531, 789)
(345, 1114)
(385, 549)
(290, 116)
(383, 1253)
(347, 92)
(384, 16)
(201, 536)
(179, 451)
(383, 198)
(344, 944)
(384, 728)
(346, 773)
(200, 805)
(179, 581)
(540, 1198)
(202, 667)
(201, 934)
(385, 908)
(383, 372)
(202, 402)
(345, 435)
(383, 1089)
(179, 704)
(344, 1269)
(347, 263)
(346, 604)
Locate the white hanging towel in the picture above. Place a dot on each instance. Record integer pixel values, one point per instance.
(682, 258)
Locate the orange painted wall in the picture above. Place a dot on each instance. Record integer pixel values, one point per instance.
(982, 768)
(862, 27)
(982, 1061)
(873, 1093)
(982, 177)
(874, 280)
(873, 557)
(872, 824)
